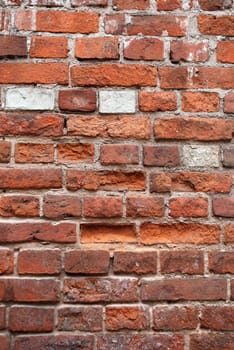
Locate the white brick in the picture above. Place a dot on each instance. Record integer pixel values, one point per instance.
(30, 98)
(117, 101)
(201, 156)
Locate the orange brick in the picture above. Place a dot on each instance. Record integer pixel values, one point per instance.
(97, 48)
(200, 102)
(48, 47)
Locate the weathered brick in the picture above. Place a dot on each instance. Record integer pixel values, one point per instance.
(169, 5)
(75, 3)
(123, 127)
(93, 290)
(105, 48)
(131, 4)
(158, 25)
(224, 52)
(215, 5)
(6, 261)
(114, 23)
(140, 263)
(114, 102)
(145, 206)
(34, 153)
(87, 319)
(223, 207)
(24, 19)
(221, 262)
(12, 45)
(229, 103)
(144, 49)
(31, 319)
(5, 151)
(119, 154)
(104, 233)
(189, 51)
(229, 233)
(200, 102)
(216, 25)
(77, 100)
(188, 261)
(228, 156)
(166, 156)
(48, 47)
(113, 75)
(184, 289)
(150, 101)
(39, 262)
(211, 341)
(19, 205)
(105, 180)
(103, 207)
(5, 17)
(188, 207)
(5, 341)
(127, 318)
(87, 262)
(75, 152)
(61, 206)
(2, 318)
(219, 318)
(180, 233)
(175, 318)
(201, 156)
(67, 22)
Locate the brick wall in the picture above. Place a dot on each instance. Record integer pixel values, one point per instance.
(117, 160)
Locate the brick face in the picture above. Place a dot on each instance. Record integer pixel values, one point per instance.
(116, 167)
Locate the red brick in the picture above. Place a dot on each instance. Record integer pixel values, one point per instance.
(113, 75)
(24, 19)
(179, 233)
(215, 5)
(166, 156)
(216, 25)
(105, 48)
(5, 341)
(34, 73)
(169, 5)
(189, 262)
(127, 318)
(225, 51)
(211, 341)
(39, 262)
(67, 22)
(193, 128)
(219, 318)
(48, 47)
(30, 178)
(77, 100)
(26, 232)
(144, 49)
(105, 180)
(119, 154)
(200, 102)
(19, 205)
(94, 290)
(131, 4)
(145, 207)
(31, 125)
(61, 206)
(140, 263)
(87, 262)
(5, 151)
(5, 17)
(87, 319)
(175, 318)
(221, 262)
(2, 318)
(34, 153)
(228, 156)
(158, 25)
(184, 289)
(140, 341)
(29, 290)
(103, 207)
(12, 45)
(188, 207)
(229, 233)
(6, 261)
(232, 289)
(75, 3)
(123, 127)
(189, 51)
(75, 152)
(104, 233)
(81, 342)
(229, 103)
(114, 23)
(190, 182)
(223, 207)
(157, 101)
(31, 319)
